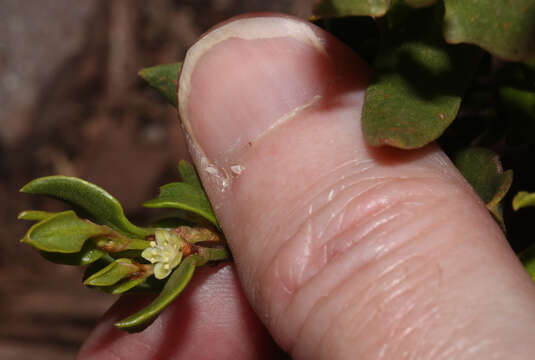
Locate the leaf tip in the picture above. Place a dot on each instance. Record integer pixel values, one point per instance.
(132, 324)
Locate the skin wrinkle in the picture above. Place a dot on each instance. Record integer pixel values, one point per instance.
(449, 348)
(429, 278)
(381, 303)
(445, 342)
(321, 194)
(355, 224)
(382, 208)
(361, 238)
(363, 265)
(283, 246)
(367, 212)
(292, 214)
(375, 292)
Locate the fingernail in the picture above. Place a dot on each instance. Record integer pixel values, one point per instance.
(247, 77)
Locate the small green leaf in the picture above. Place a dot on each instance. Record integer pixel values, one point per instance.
(523, 199)
(187, 195)
(113, 273)
(62, 233)
(124, 286)
(416, 93)
(164, 79)
(483, 170)
(35, 215)
(341, 8)
(527, 257)
(213, 254)
(174, 286)
(86, 256)
(504, 28)
(102, 206)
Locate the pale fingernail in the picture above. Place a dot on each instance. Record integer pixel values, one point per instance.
(245, 78)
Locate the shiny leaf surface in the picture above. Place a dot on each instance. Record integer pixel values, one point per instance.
(187, 195)
(62, 233)
(113, 273)
(35, 215)
(98, 203)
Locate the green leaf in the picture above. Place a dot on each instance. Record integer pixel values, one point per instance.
(124, 286)
(527, 257)
(523, 199)
(416, 92)
(62, 233)
(213, 254)
(188, 195)
(164, 79)
(340, 8)
(174, 286)
(35, 215)
(102, 206)
(483, 170)
(113, 273)
(86, 256)
(189, 174)
(504, 28)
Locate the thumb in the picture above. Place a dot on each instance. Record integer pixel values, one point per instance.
(343, 251)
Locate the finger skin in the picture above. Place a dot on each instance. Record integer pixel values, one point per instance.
(343, 250)
(210, 320)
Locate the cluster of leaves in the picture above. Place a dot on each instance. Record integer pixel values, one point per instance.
(119, 255)
(436, 61)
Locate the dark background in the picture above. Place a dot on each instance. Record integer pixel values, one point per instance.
(71, 103)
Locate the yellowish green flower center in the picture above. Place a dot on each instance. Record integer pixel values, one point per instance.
(164, 252)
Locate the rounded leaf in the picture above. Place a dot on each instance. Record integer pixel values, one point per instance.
(62, 233)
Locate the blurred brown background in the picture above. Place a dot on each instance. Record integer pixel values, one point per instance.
(71, 104)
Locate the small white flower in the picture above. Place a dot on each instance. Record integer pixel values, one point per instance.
(164, 253)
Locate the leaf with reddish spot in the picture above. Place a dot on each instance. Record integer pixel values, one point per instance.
(164, 79)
